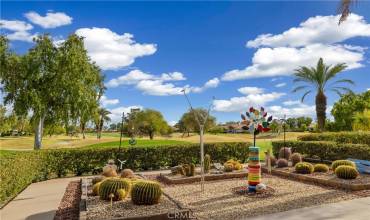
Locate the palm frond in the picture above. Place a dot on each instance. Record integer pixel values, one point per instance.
(344, 9)
(342, 88)
(298, 88)
(344, 81)
(305, 94)
(332, 72)
(337, 91)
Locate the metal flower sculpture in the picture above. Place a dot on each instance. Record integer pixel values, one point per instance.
(256, 121)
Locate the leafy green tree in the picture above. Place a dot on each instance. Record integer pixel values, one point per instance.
(53, 83)
(317, 79)
(361, 121)
(189, 122)
(346, 107)
(150, 122)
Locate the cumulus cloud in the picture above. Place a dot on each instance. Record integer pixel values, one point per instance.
(238, 104)
(292, 102)
(318, 29)
(250, 90)
(50, 20)
(280, 85)
(296, 110)
(17, 30)
(105, 101)
(159, 85)
(112, 51)
(116, 113)
(320, 36)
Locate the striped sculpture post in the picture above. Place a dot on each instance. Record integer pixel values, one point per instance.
(254, 168)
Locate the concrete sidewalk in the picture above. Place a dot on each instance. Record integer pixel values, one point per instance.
(39, 201)
(357, 209)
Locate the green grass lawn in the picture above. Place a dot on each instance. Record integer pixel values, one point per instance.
(264, 146)
(139, 143)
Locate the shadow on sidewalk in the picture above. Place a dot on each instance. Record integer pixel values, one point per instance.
(42, 216)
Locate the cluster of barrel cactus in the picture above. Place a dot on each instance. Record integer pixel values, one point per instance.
(320, 168)
(189, 169)
(110, 186)
(296, 158)
(338, 163)
(146, 193)
(285, 153)
(346, 172)
(282, 162)
(231, 165)
(304, 168)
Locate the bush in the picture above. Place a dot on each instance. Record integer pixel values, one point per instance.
(326, 150)
(20, 168)
(320, 168)
(346, 172)
(339, 137)
(304, 168)
(338, 163)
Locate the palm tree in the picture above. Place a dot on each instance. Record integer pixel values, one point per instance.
(103, 117)
(317, 79)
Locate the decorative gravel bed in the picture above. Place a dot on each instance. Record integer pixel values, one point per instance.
(220, 201)
(69, 206)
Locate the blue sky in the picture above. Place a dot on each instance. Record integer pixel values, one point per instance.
(150, 51)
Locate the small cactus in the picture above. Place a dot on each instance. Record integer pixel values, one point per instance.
(228, 167)
(285, 153)
(282, 163)
(109, 171)
(95, 188)
(111, 185)
(189, 169)
(127, 173)
(296, 158)
(337, 163)
(304, 168)
(272, 160)
(146, 193)
(178, 170)
(207, 163)
(346, 172)
(121, 194)
(321, 168)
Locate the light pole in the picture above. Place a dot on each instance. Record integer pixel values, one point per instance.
(201, 125)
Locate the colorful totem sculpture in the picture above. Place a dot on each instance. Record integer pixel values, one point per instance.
(255, 122)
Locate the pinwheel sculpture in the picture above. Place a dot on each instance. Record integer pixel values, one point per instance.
(255, 121)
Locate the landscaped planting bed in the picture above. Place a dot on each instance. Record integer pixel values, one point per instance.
(362, 182)
(220, 201)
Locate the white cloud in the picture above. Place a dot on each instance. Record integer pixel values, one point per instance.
(50, 20)
(104, 101)
(116, 113)
(112, 51)
(250, 90)
(292, 102)
(172, 123)
(159, 85)
(212, 83)
(299, 110)
(19, 30)
(280, 85)
(268, 62)
(238, 104)
(320, 36)
(318, 29)
(368, 89)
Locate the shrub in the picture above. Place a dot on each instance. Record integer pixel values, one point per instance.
(326, 150)
(146, 193)
(338, 163)
(346, 172)
(296, 158)
(285, 153)
(111, 185)
(127, 173)
(320, 168)
(339, 137)
(304, 168)
(282, 162)
(207, 163)
(20, 168)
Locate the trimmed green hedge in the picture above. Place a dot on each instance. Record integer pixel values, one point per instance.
(326, 150)
(19, 169)
(339, 137)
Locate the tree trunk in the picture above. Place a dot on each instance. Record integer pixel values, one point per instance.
(321, 110)
(83, 129)
(38, 133)
(151, 135)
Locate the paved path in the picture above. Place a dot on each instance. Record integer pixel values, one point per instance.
(39, 201)
(357, 209)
